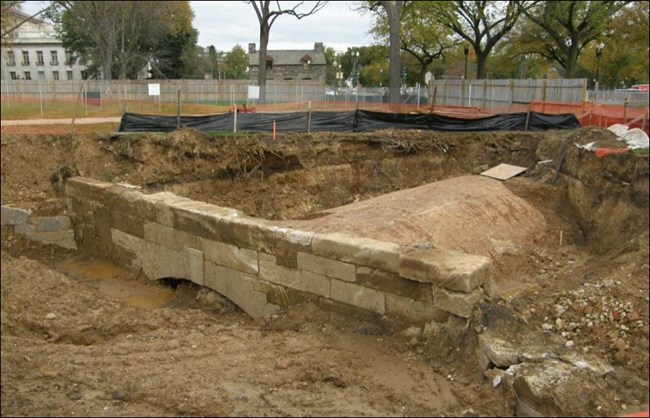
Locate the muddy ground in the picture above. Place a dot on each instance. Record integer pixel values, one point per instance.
(81, 336)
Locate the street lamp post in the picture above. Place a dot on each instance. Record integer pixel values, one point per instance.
(599, 53)
(356, 74)
(465, 51)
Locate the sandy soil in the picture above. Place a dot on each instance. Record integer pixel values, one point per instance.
(83, 337)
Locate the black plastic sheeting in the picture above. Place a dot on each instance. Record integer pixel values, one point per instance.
(350, 121)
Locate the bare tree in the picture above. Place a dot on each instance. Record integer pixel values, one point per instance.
(266, 17)
(13, 18)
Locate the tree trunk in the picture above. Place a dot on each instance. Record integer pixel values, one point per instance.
(265, 29)
(107, 63)
(393, 11)
(481, 61)
(571, 60)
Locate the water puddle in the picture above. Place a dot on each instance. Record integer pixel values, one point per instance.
(109, 280)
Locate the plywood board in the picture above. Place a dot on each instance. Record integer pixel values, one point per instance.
(503, 171)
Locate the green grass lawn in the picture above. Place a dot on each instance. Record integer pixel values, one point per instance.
(16, 110)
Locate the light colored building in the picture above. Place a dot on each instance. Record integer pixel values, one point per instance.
(289, 65)
(33, 52)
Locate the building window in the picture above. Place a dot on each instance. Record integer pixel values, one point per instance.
(28, 75)
(25, 58)
(39, 58)
(54, 58)
(55, 75)
(14, 76)
(41, 75)
(11, 58)
(68, 58)
(69, 74)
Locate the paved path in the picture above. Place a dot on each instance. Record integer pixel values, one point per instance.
(80, 121)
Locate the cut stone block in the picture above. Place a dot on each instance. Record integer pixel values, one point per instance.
(14, 216)
(460, 304)
(359, 296)
(169, 237)
(412, 310)
(304, 281)
(242, 259)
(357, 250)
(240, 288)
(195, 265)
(63, 239)
(388, 282)
(52, 223)
(327, 267)
(451, 270)
(86, 188)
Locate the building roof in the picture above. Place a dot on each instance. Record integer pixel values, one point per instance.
(289, 57)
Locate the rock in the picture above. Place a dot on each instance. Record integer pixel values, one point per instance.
(412, 332)
(619, 344)
(498, 351)
(50, 316)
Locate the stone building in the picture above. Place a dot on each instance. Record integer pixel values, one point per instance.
(33, 52)
(289, 65)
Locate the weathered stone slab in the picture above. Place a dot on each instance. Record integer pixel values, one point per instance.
(86, 188)
(448, 269)
(63, 239)
(127, 222)
(240, 288)
(284, 296)
(14, 216)
(304, 281)
(460, 304)
(283, 242)
(357, 250)
(241, 259)
(359, 296)
(498, 351)
(51, 223)
(134, 245)
(169, 237)
(388, 282)
(327, 267)
(159, 262)
(195, 265)
(131, 201)
(24, 228)
(413, 310)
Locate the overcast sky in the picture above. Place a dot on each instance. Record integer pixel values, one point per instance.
(225, 24)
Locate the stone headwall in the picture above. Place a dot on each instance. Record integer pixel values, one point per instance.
(54, 230)
(263, 267)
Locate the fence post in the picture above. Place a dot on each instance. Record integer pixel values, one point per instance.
(235, 119)
(625, 103)
(512, 88)
(178, 108)
(309, 117)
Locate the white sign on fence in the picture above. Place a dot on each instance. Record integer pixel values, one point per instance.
(253, 92)
(154, 89)
(428, 77)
